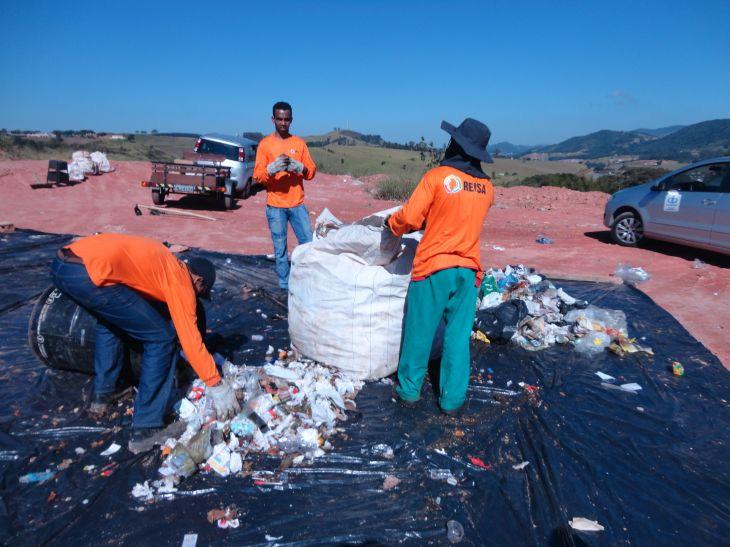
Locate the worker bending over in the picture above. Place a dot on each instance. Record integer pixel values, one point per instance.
(450, 204)
(282, 165)
(123, 280)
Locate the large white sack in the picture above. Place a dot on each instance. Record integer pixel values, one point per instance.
(83, 159)
(100, 159)
(346, 296)
(75, 171)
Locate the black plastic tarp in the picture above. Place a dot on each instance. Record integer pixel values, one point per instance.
(651, 467)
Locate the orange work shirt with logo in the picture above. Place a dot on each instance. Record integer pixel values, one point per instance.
(452, 205)
(283, 189)
(149, 268)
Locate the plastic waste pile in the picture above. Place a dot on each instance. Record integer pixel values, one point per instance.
(289, 408)
(519, 305)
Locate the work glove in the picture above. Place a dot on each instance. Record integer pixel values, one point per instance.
(295, 166)
(386, 225)
(279, 164)
(224, 400)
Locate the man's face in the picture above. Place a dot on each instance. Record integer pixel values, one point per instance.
(282, 120)
(198, 284)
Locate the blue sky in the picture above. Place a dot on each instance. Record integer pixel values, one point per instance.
(534, 71)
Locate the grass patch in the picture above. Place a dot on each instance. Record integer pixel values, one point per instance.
(395, 188)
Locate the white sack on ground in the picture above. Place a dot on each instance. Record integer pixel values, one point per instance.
(75, 171)
(100, 159)
(83, 159)
(346, 296)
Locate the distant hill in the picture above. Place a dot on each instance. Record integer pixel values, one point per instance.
(697, 141)
(689, 143)
(660, 132)
(595, 145)
(505, 148)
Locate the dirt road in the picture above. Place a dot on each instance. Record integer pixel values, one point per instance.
(698, 298)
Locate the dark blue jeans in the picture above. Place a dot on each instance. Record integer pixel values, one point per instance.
(119, 309)
(278, 218)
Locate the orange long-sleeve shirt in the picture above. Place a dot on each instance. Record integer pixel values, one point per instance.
(284, 189)
(452, 205)
(148, 267)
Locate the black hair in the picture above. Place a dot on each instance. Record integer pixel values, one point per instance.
(281, 105)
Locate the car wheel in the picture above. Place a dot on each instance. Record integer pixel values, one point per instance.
(158, 197)
(627, 229)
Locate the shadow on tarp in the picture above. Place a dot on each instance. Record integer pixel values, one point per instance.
(650, 467)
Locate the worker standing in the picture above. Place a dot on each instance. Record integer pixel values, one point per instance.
(451, 202)
(282, 165)
(124, 281)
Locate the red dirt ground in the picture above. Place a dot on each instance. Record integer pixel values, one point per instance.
(698, 298)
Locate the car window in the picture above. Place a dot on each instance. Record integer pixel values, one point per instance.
(213, 147)
(708, 178)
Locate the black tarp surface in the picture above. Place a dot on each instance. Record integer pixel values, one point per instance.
(651, 467)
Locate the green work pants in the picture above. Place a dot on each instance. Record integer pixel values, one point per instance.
(450, 294)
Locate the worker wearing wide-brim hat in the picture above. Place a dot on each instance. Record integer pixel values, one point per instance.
(451, 201)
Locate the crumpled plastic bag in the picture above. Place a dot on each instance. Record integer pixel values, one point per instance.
(631, 275)
(499, 323)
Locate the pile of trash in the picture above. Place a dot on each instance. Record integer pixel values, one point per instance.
(519, 305)
(84, 163)
(289, 409)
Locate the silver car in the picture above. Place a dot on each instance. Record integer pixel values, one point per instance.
(690, 206)
(240, 154)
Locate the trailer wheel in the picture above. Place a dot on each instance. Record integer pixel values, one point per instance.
(158, 197)
(229, 199)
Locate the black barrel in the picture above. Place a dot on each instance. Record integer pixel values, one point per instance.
(62, 334)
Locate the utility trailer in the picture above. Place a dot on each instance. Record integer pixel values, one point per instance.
(206, 177)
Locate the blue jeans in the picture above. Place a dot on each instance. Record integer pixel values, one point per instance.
(121, 310)
(278, 217)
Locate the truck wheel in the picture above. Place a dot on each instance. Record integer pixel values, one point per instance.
(229, 199)
(627, 229)
(158, 197)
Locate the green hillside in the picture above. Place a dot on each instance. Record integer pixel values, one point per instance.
(698, 141)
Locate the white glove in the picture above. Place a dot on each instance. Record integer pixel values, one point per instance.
(279, 164)
(295, 166)
(224, 399)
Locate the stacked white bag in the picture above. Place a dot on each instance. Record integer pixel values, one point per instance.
(101, 162)
(81, 159)
(347, 290)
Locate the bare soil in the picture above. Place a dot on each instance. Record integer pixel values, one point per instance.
(698, 298)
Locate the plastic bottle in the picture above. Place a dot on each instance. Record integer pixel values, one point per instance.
(454, 531)
(439, 474)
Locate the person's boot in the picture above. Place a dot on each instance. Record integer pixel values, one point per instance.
(100, 404)
(146, 438)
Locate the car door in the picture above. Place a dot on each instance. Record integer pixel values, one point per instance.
(684, 210)
(720, 238)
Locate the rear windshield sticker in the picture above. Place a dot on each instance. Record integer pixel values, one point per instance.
(672, 201)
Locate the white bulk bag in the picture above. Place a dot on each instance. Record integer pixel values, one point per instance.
(75, 171)
(83, 159)
(346, 296)
(100, 159)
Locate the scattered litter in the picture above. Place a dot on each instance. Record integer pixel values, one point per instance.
(257, 338)
(585, 525)
(677, 368)
(454, 531)
(544, 240)
(41, 476)
(79, 451)
(498, 248)
(113, 449)
(698, 264)
(289, 409)
(630, 387)
(190, 540)
(605, 377)
(520, 466)
(224, 518)
(632, 275)
(382, 450)
(272, 538)
(390, 482)
(480, 463)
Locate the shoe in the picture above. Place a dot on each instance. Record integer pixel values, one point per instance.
(454, 412)
(404, 402)
(100, 403)
(146, 438)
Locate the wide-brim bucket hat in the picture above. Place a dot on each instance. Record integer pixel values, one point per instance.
(473, 136)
